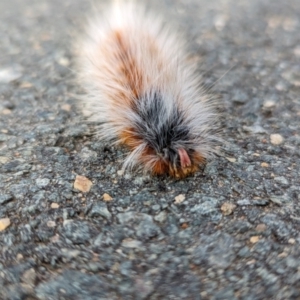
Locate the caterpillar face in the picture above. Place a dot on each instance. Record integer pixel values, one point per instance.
(162, 134)
(177, 163)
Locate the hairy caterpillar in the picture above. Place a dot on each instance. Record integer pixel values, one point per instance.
(144, 93)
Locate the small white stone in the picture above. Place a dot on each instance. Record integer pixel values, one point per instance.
(10, 74)
(276, 139)
(120, 172)
(54, 205)
(231, 159)
(179, 199)
(269, 104)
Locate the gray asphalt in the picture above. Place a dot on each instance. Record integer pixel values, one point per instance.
(233, 232)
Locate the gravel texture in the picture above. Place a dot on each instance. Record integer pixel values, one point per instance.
(233, 230)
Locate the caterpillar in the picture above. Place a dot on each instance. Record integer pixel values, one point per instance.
(144, 93)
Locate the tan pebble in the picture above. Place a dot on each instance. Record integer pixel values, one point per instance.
(4, 159)
(66, 107)
(51, 224)
(179, 199)
(261, 227)
(54, 205)
(292, 241)
(4, 130)
(227, 208)
(120, 172)
(19, 256)
(25, 85)
(231, 159)
(107, 197)
(82, 184)
(4, 223)
(264, 165)
(254, 239)
(6, 111)
(269, 104)
(282, 254)
(276, 139)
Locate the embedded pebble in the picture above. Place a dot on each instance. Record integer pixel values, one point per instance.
(261, 227)
(4, 159)
(269, 104)
(179, 199)
(4, 223)
(276, 139)
(107, 197)
(264, 165)
(261, 202)
(66, 107)
(82, 184)
(51, 224)
(231, 159)
(120, 172)
(54, 205)
(254, 239)
(130, 243)
(227, 208)
(10, 74)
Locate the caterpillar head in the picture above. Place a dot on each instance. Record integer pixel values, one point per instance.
(177, 163)
(160, 139)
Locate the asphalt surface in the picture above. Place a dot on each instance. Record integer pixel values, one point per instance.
(229, 232)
